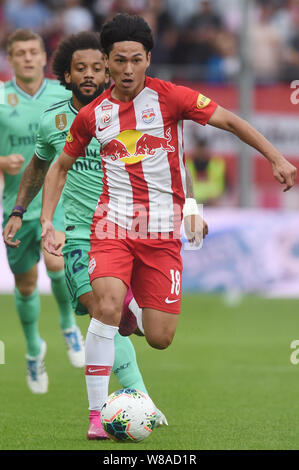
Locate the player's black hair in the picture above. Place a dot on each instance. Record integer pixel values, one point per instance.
(124, 27)
(62, 58)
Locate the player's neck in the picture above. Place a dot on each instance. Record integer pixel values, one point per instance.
(76, 103)
(30, 87)
(119, 95)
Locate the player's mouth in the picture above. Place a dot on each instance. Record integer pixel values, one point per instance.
(88, 86)
(127, 82)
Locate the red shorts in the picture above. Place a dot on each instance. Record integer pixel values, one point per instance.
(153, 268)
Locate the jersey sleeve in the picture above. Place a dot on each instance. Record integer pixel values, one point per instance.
(192, 105)
(43, 147)
(79, 136)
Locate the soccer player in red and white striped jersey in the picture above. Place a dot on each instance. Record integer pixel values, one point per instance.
(135, 229)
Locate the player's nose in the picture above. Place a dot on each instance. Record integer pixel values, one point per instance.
(28, 56)
(89, 73)
(128, 68)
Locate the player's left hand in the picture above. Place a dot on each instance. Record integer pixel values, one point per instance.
(11, 228)
(196, 229)
(49, 241)
(285, 173)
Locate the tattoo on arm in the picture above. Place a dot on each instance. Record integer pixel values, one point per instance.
(32, 181)
(189, 184)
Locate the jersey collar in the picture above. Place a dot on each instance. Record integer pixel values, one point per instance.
(26, 95)
(72, 107)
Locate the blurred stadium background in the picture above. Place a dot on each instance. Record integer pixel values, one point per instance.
(245, 55)
(241, 386)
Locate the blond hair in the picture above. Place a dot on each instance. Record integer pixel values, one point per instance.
(23, 34)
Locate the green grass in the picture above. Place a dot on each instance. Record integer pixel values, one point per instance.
(226, 382)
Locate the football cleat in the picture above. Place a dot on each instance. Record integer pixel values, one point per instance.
(95, 430)
(75, 346)
(160, 419)
(37, 377)
(128, 322)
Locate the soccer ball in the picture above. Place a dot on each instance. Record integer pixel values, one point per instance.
(128, 415)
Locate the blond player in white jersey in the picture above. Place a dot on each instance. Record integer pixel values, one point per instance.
(135, 232)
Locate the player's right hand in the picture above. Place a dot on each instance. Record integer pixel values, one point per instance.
(11, 228)
(13, 163)
(196, 229)
(49, 240)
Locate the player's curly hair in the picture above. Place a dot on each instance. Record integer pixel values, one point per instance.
(62, 58)
(125, 27)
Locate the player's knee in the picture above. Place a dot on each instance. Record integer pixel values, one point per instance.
(26, 288)
(54, 263)
(160, 341)
(108, 312)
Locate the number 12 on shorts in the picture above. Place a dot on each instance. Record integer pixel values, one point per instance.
(176, 281)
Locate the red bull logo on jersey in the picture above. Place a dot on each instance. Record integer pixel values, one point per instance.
(148, 115)
(133, 146)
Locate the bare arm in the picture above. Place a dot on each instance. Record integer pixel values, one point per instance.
(31, 182)
(189, 184)
(283, 171)
(196, 227)
(53, 186)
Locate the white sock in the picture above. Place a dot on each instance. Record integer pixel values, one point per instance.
(134, 307)
(99, 359)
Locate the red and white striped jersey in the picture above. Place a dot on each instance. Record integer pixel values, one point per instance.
(141, 149)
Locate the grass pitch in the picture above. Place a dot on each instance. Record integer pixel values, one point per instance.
(226, 382)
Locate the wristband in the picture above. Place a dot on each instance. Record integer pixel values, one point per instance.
(16, 214)
(190, 207)
(20, 209)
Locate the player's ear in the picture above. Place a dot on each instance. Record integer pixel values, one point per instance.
(106, 60)
(67, 77)
(44, 59)
(148, 58)
(107, 76)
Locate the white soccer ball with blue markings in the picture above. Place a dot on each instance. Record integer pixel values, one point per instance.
(128, 415)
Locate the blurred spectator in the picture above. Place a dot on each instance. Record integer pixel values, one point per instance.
(265, 44)
(181, 11)
(228, 63)
(291, 53)
(28, 14)
(164, 31)
(208, 173)
(75, 18)
(201, 32)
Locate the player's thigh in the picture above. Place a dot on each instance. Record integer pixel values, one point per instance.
(110, 269)
(156, 278)
(159, 327)
(27, 255)
(54, 263)
(77, 278)
(26, 282)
